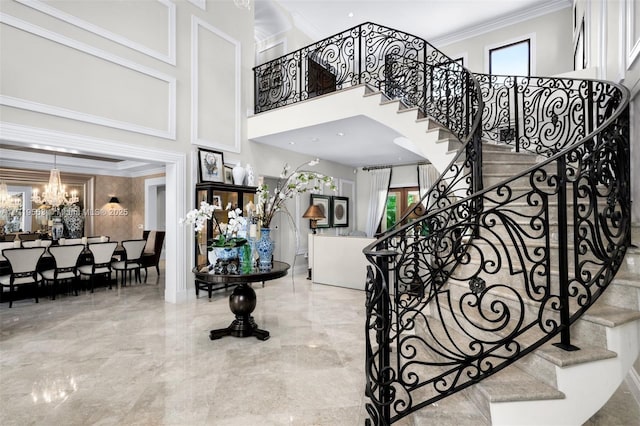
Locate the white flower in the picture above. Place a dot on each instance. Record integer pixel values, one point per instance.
(290, 184)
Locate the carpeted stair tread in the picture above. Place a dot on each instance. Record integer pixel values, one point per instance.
(563, 358)
(513, 384)
(455, 409)
(610, 316)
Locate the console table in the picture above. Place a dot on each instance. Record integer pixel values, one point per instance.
(242, 301)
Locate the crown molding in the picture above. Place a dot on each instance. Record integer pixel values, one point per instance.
(538, 10)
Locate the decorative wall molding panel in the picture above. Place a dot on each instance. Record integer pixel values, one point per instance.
(127, 89)
(633, 32)
(213, 123)
(168, 54)
(202, 4)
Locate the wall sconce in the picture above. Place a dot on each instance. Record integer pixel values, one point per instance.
(313, 213)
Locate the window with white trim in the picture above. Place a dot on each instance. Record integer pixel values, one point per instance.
(511, 59)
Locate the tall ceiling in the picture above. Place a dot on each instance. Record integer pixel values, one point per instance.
(439, 21)
(434, 20)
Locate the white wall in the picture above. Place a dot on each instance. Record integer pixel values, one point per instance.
(154, 79)
(553, 52)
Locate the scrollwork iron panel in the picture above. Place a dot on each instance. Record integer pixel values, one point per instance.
(490, 272)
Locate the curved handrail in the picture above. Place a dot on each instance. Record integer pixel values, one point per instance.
(495, 281)
(387, 59)
(488, 274)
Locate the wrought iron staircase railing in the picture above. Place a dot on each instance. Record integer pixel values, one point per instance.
(479, 282)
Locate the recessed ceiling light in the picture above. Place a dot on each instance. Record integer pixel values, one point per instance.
(315, 140)
(340, 134)
(292, 143)
(350, 14)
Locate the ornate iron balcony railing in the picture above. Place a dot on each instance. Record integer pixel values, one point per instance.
(490, 272)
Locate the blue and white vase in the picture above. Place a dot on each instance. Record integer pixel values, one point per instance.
(226, 253)
(265, 249)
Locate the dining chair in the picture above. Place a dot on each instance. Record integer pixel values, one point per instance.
(152, 250)
(29, 236)
(66, 261)
(23, 264)
(101, 263)
(72, 241)
(98, 239)
(5, 245)
(132, 260)
(37, 243)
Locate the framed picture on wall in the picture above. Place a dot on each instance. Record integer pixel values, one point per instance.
(228, 174)
(324, 202)
(211, 166)
(339, 211)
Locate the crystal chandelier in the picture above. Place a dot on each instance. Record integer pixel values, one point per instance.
(7, 201)
(54, 193)
(246, 4)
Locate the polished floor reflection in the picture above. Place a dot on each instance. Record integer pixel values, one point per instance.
(124, 357)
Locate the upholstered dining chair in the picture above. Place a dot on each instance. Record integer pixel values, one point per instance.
(23, 263)
(37, 243)
(28, 236)
(5, 245)
(101, 264)
(98, 239)
(132, 261)
(71, 241)
(66, 260)
(152, 250)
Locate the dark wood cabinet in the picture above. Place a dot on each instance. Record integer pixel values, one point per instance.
(223, 195)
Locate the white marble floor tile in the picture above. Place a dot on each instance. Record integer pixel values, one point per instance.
(125, 357)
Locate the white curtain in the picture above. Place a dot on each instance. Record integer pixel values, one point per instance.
(427, 175)
(380, 180)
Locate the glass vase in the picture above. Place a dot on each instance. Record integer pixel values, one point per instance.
(265, 249)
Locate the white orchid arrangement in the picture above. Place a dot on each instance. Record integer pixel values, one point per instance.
(290, 184)
(198, 217)
(235, 224)
(228, 232)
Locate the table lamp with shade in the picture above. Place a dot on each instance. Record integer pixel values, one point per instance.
(314, 213)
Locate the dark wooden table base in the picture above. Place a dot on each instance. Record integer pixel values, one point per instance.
(242, 302)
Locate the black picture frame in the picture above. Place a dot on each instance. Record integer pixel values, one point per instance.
(210, 165)
(324, 201)
(339, 211)
(228, 174)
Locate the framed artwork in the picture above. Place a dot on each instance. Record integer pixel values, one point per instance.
(339, 211)
(228, 174)
(211, 166)
(216, 201)
(324, 202)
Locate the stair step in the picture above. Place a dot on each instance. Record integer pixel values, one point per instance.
(512, 384)
(507, 166)
(456, 409)
(497, 147)
(453, 143)
(440, 133)
(610, 316)
(509, 385)
(563, 358)
(491, 155)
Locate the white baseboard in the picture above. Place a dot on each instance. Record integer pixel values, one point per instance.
(633, 382)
